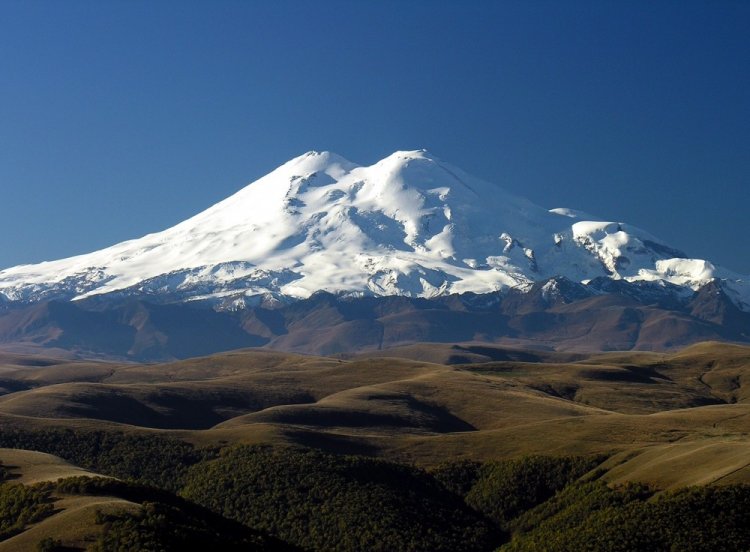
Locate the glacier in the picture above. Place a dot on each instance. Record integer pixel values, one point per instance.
(409, 225)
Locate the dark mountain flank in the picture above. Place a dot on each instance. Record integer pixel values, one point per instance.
(554, 315)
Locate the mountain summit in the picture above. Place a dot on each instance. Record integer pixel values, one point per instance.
(410, 225)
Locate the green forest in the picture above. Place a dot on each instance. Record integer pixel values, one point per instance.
(276, 498)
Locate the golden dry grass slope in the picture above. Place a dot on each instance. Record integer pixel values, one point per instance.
(73, 521)
(669, 418)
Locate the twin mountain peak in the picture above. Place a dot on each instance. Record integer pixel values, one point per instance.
(408, 225)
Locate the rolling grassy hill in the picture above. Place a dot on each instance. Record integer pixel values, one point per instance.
(665, 420)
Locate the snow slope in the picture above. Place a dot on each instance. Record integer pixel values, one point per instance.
(409, 224)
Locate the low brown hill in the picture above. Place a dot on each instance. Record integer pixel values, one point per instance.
(496, 402)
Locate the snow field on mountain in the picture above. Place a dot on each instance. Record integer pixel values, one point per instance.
(409, 224)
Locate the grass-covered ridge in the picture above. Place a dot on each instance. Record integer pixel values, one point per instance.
(21, 505)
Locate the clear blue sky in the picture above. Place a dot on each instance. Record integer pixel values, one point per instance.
(120, 118)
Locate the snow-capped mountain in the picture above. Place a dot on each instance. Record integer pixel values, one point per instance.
(408, 225)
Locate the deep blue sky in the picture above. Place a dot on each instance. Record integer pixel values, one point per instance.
(123, 118)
